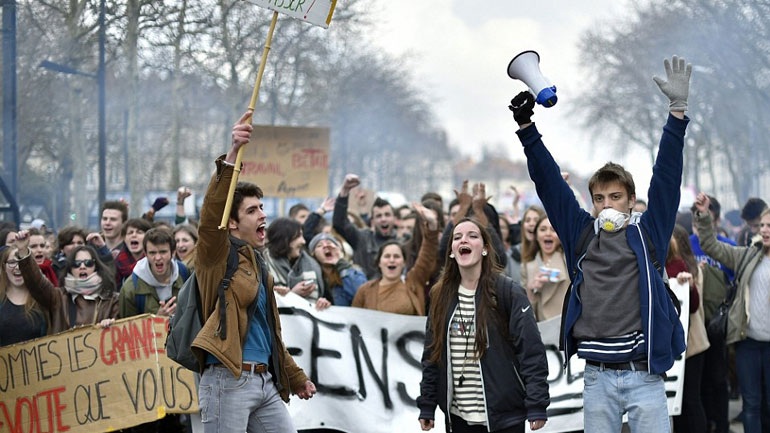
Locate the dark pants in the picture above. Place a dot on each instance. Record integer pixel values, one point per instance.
(752, 362)
(714, 390)
(693, 417)
(460, 426)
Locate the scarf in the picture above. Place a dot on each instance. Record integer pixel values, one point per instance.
(87, 287)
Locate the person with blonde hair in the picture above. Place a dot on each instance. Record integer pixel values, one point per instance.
(748, 320)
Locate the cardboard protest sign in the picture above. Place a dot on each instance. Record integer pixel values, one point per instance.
(316, 12)
(91, 379)
(287, 161)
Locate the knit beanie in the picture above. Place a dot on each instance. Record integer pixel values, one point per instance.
(320, 237)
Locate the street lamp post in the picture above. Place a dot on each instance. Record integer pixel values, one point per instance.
(100, 80)
(102, 121)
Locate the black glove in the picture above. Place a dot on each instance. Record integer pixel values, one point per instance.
(159, 203)
(522, 106)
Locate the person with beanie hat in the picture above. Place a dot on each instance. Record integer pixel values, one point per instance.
(340, 277)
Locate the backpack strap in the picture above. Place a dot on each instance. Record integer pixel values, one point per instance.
(662, 272)
(184, 271)
(232, 266)
(139, 300)
(739, 270)
(581, 247)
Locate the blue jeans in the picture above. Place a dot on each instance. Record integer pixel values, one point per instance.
(752, 366)
(249, 404)
(608, 394)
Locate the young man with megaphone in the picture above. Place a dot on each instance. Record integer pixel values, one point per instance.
(618, 315)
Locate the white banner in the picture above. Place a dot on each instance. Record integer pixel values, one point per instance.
(366, 366)
(316, 12)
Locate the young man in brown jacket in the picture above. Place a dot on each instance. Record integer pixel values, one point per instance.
(247, 374)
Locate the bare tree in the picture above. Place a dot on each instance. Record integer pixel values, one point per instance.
(726, 42)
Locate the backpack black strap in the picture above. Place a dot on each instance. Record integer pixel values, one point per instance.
(739, 270)
(661, 271)
(232, 266)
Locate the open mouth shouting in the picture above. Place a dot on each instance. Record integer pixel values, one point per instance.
(39, 257)
(261, 232)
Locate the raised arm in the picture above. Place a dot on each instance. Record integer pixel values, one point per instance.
(340, 221)
(664, 191)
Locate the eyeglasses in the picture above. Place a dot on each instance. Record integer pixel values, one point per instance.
(12, 264)
(90, 263)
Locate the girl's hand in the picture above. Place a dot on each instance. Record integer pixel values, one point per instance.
(322, 304)
(684, 277)
(106, 323)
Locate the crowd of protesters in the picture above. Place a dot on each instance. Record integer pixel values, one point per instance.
(428, 258)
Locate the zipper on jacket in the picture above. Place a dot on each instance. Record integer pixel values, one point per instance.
(650, 300)
(565, 337)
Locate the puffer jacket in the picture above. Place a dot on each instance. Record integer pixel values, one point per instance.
(212, 249)
(738, 317)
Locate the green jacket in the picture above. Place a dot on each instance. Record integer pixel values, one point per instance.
(730, 256)
(129, 293)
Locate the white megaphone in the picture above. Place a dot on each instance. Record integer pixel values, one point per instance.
(525, 67)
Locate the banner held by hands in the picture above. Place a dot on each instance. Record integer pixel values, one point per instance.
(317, 12)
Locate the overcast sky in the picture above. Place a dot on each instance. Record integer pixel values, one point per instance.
(460, 51)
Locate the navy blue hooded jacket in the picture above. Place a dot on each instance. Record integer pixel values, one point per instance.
(662, 329)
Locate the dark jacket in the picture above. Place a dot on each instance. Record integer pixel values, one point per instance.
(660, 322)
(514, 371)
(49, 300)
(365, 242)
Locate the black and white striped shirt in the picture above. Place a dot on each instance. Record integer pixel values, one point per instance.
(468, 396)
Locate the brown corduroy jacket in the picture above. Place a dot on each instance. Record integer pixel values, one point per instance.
(212, 250)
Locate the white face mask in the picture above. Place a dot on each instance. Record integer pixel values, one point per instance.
(611, 220)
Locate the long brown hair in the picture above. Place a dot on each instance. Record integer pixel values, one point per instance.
(531, 253)
(683, 250)
(527, 246)
(444, 292)
(31, 304)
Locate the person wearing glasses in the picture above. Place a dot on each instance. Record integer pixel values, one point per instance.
(30, 305)
(71, 237)
(88, 289)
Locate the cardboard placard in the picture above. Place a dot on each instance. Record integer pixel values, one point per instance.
(287, 161)
(91, 379)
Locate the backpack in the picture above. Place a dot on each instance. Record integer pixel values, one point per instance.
(188, 320)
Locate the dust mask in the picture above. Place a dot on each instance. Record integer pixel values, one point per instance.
(611, 220)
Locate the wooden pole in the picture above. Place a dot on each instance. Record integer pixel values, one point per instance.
(252, 105)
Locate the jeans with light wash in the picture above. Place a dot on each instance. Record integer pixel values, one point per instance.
(608, 394)
(752, 366)
(250, 403)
